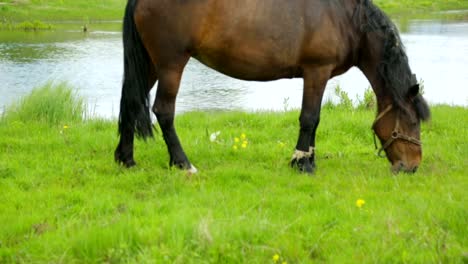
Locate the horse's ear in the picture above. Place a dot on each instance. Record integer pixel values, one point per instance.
(420, 105)
(413, 91)
(422, 108)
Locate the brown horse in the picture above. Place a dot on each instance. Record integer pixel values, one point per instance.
(267, 40)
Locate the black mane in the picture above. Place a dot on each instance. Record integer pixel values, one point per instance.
(394, 67)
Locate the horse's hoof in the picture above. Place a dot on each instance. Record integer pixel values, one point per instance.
(127, 162)
(304, 165)
(183, 165)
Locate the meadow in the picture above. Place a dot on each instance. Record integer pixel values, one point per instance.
(64, 200)
(33, 12)
(420, 6)
(57, 10)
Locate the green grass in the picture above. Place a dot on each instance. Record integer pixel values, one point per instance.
(51, 104)
(411, 6)
(85, 11)
(56, 10)
(27, 26)
(64, 200)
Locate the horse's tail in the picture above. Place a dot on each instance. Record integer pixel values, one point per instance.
(134, 104)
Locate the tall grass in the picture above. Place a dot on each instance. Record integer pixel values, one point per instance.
(51, 104)
(368, 101)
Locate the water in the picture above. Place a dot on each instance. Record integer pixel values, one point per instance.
(92, 62)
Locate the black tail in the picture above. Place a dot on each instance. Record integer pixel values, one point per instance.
(134, 104)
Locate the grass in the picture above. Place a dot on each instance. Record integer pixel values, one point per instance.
(51, 104)
(86, 12)
(56, 10)
(64, 200)
(27, 26)
(412, 6)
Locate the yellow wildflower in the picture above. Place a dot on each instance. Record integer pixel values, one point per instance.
(276, 257)
(234, 147)
(244, 145)
(243, 136)
(360, 202)
(65, 127)
(236, 139)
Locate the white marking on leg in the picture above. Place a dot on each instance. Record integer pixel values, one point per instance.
(311, 151)
(192, 169)
(299, 154)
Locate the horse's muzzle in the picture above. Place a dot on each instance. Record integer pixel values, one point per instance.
(401, 167)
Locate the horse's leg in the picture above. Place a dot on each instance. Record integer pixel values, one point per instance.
(312, 143)
(124, 152)
(315, 80)
(164, 109)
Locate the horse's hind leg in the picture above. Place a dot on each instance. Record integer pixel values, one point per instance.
(124, 152)
(164, 109)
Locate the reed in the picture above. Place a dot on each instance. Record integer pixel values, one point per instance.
(50, 103)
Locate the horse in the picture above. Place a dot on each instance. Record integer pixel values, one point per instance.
(265, 40)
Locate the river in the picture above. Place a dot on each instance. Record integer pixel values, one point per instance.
(92, 63)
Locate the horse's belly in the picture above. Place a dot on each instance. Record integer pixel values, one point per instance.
(261, 67)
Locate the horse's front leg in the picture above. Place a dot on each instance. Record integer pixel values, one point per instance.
(164, 108)
(315, 80)
(312, 143)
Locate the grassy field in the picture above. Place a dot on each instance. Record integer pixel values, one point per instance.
(56, 10)
(64, 200)
(418, 6)
(87, 11)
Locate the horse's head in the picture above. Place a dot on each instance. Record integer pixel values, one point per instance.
(398, 129)
(401, 107)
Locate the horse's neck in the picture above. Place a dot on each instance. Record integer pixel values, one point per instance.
(370, 59)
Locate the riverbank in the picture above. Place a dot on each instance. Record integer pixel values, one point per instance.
(61, 10)
(402, 7)
(65, 200)
(90, 12)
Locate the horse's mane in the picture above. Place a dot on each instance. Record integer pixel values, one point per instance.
(394, 68)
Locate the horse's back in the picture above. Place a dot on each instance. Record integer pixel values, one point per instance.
(246, 39)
